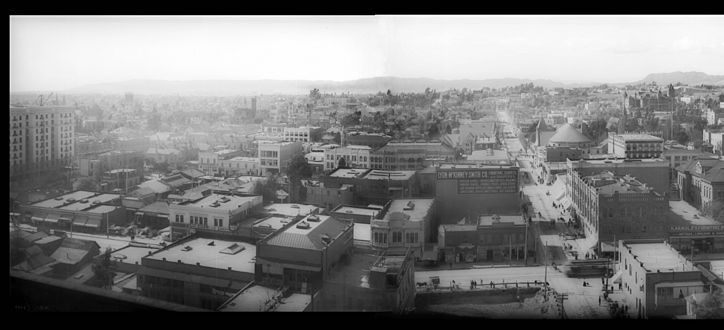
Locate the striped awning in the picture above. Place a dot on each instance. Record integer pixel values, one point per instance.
(37, 219)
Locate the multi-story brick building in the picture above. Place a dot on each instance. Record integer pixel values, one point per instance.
(612, 207)
(411, 156)
(354, 156)
(41, 139)
(653, 172)
(469, 190)
(701, 182)
(656, 278)
(275, 157)
(635, 146)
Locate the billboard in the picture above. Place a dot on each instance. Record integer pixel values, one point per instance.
(482, 181)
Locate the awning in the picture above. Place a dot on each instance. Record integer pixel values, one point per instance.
(616, 277)
(52, 218)
(679, 284)
(37, 219)
(79, 221)
(93, 223)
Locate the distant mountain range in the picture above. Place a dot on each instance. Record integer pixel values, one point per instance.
(359, 86)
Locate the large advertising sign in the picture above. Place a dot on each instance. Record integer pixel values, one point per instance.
(697, 231)
(482, 181)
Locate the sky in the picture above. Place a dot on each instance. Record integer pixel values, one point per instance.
(63, 52)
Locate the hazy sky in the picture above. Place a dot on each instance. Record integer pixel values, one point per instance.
(56, 53)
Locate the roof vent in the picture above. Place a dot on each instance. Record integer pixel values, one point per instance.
(215, 204)
(211, 243)
(187, 248)
(224, 199)
(303, 225)
(59, 198)
(410, 206)
(326, 239)
(313, 218)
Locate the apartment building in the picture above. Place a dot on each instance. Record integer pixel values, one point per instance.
(41, 138)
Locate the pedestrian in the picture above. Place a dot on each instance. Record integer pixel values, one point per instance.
(602, 281)
(492, 285)
(620, 286)
(599, 300)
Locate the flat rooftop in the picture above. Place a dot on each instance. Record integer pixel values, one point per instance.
(474, 166)
(416, 208)
(131, 254)
(356, 273)
(273, 222)
(489, 220)
(60, 200)
(347, 173)
(232, 202)
(210, 255)
(659, 257)
(490, 155)
(256, 298)
(391, 175)
(639, 137)
(355, 210)
(289, 210)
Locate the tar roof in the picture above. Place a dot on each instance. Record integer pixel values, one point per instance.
(659, 257)
(415, 208)
(311, 237)
(60, 200)
(347, 173)
(489, 220)
(289, 210)
(344, 209)
(222, 202)
(273, 222)
(640, 137)
(210, 255)
(256, 298)
(131, 254)
(389, 175)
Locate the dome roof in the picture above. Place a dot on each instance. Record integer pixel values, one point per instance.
(568, 134)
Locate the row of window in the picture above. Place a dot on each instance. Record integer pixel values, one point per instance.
(410, 237)
(197, 220)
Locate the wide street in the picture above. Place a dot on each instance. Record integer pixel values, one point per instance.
(583, 302)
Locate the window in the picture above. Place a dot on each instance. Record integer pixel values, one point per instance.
(397, 237)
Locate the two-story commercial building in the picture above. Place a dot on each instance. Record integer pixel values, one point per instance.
(406, 226)
(212, 213)
(301, 255)
(635, 146)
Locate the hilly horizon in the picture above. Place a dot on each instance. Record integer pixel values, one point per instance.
(359, 86)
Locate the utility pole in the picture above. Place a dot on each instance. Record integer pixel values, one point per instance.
(525, 252)
(545, 261)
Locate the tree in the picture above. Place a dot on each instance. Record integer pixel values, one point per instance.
(352, 119)
(314, 94)
(298, 169)
(102, 270)
(269, 189)
(682, 137)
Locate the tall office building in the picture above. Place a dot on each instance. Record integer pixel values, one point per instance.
(41, 138)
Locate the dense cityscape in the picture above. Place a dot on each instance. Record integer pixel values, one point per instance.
(518, 201)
